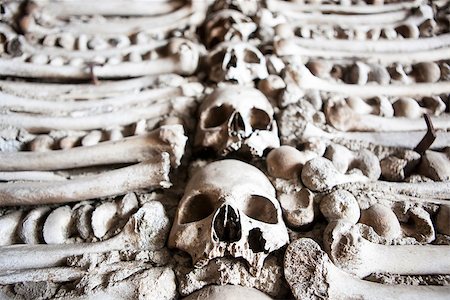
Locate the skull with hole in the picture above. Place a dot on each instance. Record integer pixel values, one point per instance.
(229, 209)
(236, 118)
(238, 62)
(228, 25)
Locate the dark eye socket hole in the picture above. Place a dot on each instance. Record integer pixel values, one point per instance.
(259, 119)
(251, 57)
(217, 58)
(216, 116)
(196, 208)
(260, 208)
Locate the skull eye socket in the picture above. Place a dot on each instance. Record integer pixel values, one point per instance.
(216, 116)
(196, 208)
(250, 57)
(260, 208)
(259, 119)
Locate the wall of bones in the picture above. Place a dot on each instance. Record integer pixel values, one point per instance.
(227, 149)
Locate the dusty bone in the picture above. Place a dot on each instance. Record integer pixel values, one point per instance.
(41, 124)
(30, 231)
(305, 80)
(342, 117)
(58, 226)
(356, 255)
(103, 218)
(340, 205)
(145, 230)
(319, 174)
(168, 138)
(184, 63)
(285, 162)
(153, 173)
(383, 220)
(230, 292)
(309, 273)
(113, 8)
(298, 207)
(9, 224)
(30, 176)
(185, 15)
(435, 165)
(282, 6)
(54, 106)
(289, 47)
(405, 139)
(67, 91)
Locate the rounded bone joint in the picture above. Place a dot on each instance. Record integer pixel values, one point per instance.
(383, 220)
(319, 174)
(354, 254)
(340, 205)
(309, 272)
(147, 229)
(285, 162)
(346, 160)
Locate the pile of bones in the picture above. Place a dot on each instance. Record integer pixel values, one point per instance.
(228, 149)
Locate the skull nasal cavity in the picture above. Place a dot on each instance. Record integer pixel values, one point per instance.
(237, 123)
(227, 225)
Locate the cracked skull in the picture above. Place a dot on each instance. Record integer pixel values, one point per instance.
(225, 212)
(236, 118)
(228, 25)
(239, 62)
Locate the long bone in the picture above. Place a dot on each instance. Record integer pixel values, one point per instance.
(343, 118)
(282, 6)
(354, 254)
(392, 18)
(38, 123)
(287, 47)
(111, 8)
(182, 17)
(153, 173)
(157, 95)
(306, 80)
(168, 138)
(405, 139)
(67, 91)
(145, 230)
(310, 273)
(183, 60)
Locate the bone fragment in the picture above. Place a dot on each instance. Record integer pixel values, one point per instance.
(356, 255)
(145, 230)
(319, 174)
(383, 220)
(103, 218)
(58, 226)
(309, 273)
(168, 138)
(30, 231)
(340, 205)
(9, 224)
(153, 173)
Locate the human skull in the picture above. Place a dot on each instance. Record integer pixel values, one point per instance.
(228, 25)
(236, 61)
(229, 209)
(236, 118)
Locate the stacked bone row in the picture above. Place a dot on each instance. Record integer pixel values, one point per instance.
(317, 163)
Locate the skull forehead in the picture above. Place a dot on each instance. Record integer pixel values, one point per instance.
(244, 98)
(231, 175)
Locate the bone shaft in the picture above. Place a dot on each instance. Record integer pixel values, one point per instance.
(129, 150)
(383, 58)
(50, 106)
(28, 175)
(409, 259)
(61, 274)
(43, 124)
(381, 46)
(148, 174)
(19, 257)
(376, 123)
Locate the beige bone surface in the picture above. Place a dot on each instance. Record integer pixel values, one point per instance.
(153, 173)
